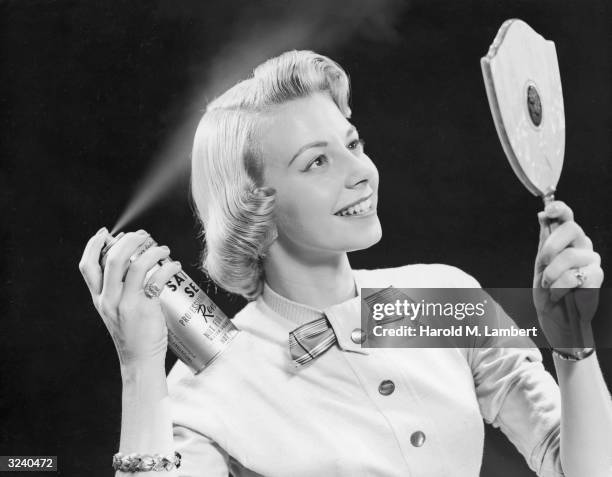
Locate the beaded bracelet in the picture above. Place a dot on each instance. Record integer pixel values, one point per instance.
(145, 462)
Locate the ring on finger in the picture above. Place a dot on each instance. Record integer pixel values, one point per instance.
(580, 276)
(147, 244)
(152, 290)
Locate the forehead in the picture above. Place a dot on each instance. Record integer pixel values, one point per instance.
(298, 122)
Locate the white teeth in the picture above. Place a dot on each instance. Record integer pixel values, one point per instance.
(356, 209)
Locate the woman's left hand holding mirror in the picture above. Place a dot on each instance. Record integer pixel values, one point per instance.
(565, 264)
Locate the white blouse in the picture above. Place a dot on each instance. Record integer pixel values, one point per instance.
(353, 411)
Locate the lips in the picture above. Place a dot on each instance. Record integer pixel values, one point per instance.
(357, 207)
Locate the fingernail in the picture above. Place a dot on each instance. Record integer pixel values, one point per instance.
(551, 208)
(177, 263)
(103, 229)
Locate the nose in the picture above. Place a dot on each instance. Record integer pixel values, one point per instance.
(361, 171)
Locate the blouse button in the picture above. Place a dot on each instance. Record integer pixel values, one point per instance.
(386, 387)
(417, 439)
(358, 336)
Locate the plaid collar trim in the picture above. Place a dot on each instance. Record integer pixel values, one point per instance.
(343, 317)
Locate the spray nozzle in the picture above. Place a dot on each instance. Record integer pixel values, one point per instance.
(108, 246)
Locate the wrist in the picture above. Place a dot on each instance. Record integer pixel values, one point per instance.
(572, 354)
(142, 369)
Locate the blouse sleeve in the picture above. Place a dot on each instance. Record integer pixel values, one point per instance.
(200, 456)
(516, 394)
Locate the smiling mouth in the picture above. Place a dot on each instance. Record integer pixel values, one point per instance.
(361, 208)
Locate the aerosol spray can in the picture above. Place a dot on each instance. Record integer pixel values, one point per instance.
(198, 331)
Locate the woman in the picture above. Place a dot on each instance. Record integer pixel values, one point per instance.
(284, 190)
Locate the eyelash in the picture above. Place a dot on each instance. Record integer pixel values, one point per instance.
(360, 143)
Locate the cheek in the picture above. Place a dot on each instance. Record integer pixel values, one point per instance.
(301, 210)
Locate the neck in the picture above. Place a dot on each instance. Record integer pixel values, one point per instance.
(316, 280)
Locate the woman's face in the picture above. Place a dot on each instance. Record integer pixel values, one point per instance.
(326, 186)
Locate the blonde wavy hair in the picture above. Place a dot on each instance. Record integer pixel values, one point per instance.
(235, 211)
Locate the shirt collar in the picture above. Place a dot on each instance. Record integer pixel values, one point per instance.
(293, 311)
(344, 317)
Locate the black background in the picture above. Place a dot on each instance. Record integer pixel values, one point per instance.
(94, 94)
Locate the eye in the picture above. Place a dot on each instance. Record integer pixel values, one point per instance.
(356, 144)
(317, 162)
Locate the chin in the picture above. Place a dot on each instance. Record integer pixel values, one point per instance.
(366, 240)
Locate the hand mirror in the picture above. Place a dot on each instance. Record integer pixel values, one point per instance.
(523, 84)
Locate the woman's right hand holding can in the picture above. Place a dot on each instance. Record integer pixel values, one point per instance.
(133, 318)
(137, 326)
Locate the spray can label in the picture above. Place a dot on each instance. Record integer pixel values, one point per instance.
(198, 331)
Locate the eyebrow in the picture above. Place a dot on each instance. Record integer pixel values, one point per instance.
(350, 131)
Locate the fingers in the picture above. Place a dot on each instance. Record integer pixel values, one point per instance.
(554, 214)
(544, 231)
(164, 273)
(89, 264)
(591, 277)
(135, 277)
(559, 210)
(568, 259)
(566, 235)
(117, 262)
